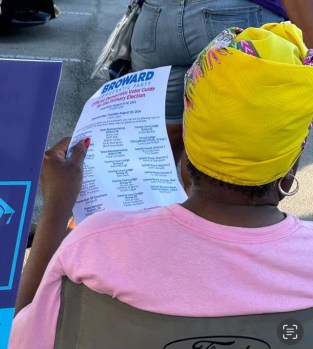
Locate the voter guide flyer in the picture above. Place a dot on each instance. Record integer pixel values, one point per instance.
(129, 164)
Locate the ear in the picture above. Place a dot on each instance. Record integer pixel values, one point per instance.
(287, 181)
(285, 184)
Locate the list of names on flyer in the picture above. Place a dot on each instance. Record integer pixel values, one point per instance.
(129, 164)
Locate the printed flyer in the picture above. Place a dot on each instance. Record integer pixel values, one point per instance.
(129, 164)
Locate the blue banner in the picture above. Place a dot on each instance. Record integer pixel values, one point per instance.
(6, 318)
(27, 94)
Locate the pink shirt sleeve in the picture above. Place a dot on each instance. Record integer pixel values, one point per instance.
(25, 333)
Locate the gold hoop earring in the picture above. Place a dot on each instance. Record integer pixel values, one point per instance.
(290, 193)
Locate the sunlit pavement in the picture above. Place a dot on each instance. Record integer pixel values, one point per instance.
(301, 204)
(76, 37)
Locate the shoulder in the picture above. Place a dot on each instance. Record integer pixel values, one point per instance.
(105, 223)
(306, 224)
(106, 220)
(298, 225)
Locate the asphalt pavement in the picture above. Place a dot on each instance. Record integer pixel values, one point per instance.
(76, 37)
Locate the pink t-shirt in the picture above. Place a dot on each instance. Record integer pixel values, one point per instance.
(170, 261)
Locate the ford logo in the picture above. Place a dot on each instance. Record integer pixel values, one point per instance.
(218, 342)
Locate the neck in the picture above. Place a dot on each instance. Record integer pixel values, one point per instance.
(233, 209)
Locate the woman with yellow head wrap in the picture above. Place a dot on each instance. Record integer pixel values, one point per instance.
(227, 250)
(249, 105)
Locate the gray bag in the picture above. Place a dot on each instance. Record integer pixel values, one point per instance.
(114, 59)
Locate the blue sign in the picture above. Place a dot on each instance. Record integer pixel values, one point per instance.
(27, 95)
(6, 317)
(12, 221)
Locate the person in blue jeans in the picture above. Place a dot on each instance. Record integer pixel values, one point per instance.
(173, 32)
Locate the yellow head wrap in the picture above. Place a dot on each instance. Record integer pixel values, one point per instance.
(249, 104)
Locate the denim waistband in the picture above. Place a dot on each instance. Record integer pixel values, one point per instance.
(213, 3)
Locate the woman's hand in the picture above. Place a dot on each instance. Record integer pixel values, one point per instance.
(61, 178)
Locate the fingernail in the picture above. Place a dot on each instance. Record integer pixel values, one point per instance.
(87, 142)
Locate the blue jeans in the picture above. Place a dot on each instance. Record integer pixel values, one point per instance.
(174, 32)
